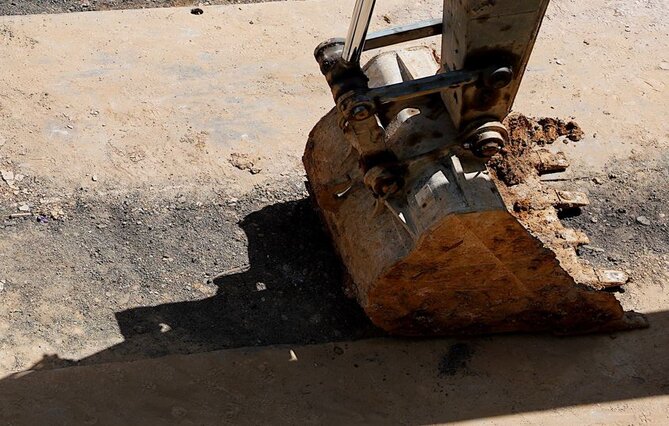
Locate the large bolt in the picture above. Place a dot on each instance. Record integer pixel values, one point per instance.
(328, 53)
(488, 143)
(489, 149)
(383, 181)
(389, 187)
(499, 78)
(360, 112)
(486, 139)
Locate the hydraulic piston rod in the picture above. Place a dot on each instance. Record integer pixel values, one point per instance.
(357, 31)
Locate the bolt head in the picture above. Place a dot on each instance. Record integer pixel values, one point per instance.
(499, 78)
(489, 149)
(361, 112)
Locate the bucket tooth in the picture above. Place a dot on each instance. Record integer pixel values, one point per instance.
(610, 278)
(574, 238)
(565, 200)
(547, 162)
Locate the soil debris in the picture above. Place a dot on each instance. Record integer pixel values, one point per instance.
(553, 128)
(513, 163)
(245, 162)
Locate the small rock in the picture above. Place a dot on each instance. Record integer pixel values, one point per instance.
(24, 208)
(293, 356)
(69, 126)
(94, 178)
(18, 215)
(664, 66)
(57, 213)
(594, 220)
(101, 226)
(559, 62)
(2, 285)
(246, 162)
(261, 286)
(18, 177)
(597, 181)
(643, 220)
(7, 175)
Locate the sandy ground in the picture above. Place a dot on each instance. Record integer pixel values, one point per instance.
(29, 7)
(157, 154)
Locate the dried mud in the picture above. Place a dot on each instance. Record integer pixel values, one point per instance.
(513, 165)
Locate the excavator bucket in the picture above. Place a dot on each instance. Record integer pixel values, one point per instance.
(431, 191)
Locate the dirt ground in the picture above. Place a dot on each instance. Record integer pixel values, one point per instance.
(29, 7)
(153, 210)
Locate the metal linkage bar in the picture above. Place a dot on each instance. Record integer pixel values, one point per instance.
(404, 33)
(422, 87)
(357, 31)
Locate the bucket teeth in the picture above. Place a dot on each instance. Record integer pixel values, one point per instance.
(537, 205)
(547, 162)
(574, 238)
(570, 200)
(608, 278)
(543, 205)
(599, 279)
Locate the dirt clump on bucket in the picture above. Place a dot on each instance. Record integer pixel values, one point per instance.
(513, 163)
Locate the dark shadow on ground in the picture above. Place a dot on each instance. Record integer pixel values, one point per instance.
(291, 293)
(417, 382)
(378, 381)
